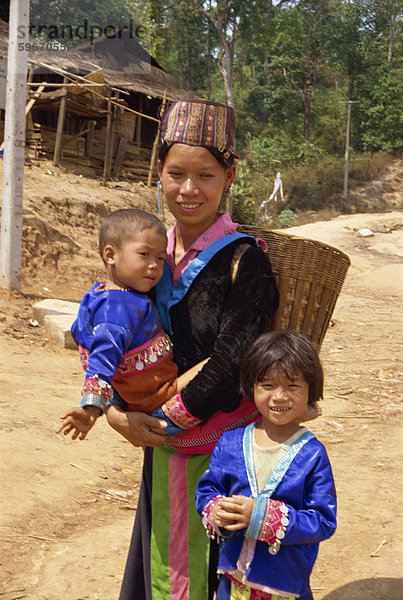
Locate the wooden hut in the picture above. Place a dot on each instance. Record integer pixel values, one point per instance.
(110, 126)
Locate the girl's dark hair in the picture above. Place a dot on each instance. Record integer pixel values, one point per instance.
(224, 158)
(290, 351)
(123, 224)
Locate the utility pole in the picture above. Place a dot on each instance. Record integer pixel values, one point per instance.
(346, 156)
(14, 147)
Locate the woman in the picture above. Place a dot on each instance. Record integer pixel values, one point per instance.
(217, 295)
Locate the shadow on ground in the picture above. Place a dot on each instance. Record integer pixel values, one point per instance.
(383, 588)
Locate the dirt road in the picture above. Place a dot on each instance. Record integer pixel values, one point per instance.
(68, 507)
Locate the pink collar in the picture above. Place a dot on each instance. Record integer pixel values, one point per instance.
(221, 227)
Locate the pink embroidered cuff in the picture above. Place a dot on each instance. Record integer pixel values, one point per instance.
(176, 411)
(272, 522)
(268, 522)
(208, 518)
(95, 385)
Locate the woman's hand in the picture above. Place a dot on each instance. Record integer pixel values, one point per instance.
(137, 428)
(233, 513)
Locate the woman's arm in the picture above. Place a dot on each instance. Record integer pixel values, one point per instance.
(137, 428)
(186, 378)
(171, 426)
(247, 310)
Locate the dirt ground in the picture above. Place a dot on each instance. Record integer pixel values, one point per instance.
(68, 507)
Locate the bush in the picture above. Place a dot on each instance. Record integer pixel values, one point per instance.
(312, 179)
(243, 202)
(287, 218)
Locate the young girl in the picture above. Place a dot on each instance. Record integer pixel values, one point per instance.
(269, 493)
(118, 330)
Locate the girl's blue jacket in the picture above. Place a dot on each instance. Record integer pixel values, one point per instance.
(305, 485)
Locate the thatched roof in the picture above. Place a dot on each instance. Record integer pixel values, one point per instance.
(123, 61)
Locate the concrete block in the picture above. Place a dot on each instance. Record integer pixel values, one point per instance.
(365, 233)
(57, 316)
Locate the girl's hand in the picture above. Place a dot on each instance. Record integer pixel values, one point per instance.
(79, 421)
(234, 513)
(137, 428)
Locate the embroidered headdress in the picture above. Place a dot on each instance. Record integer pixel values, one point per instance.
(200, 123)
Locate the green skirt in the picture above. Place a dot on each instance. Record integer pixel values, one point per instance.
(170, 555)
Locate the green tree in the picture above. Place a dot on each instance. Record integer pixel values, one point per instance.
(384, 20)
(71, 12)
(298, 51)
(59, 19)
(346, 42)
(188, 46)
(150, 16)
(226, 16)
(368, 51)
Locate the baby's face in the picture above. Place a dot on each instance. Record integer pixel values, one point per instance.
(139, 262)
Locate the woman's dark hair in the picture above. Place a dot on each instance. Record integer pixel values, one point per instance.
(290, 351)
(123, 224)
(224, 158)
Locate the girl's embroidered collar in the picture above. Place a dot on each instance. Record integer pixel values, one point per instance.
(281, 467)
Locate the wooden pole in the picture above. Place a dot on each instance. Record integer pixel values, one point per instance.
(347, 151)
(28, 107)
(60, 126)
(119, 155)
(155, 145)
(108, 139)
(346, 154)
(112, 142)
(65, 85)
(31, 73)
(90, 138)
(138, 124)
(14, 148)
(33, 100)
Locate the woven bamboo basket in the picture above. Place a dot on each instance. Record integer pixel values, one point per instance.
(309, 277)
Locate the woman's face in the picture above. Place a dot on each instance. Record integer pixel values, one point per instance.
(194, 182)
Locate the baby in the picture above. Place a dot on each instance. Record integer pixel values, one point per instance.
(118, 330)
